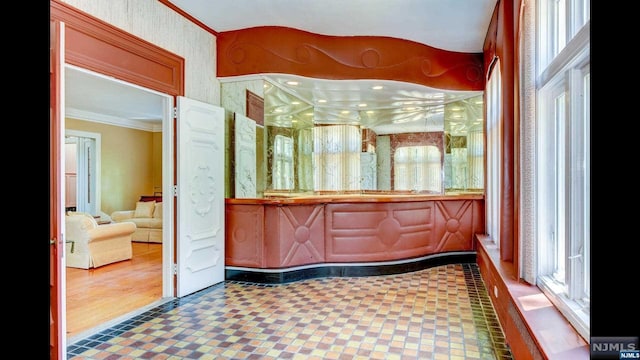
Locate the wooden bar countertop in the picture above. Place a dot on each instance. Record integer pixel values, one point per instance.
(308, 199)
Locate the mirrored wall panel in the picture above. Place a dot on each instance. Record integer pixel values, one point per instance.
(315, 148)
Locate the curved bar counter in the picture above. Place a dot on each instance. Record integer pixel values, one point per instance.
(278, 240)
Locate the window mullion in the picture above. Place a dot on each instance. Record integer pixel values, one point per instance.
(562, 196)
(579, 193)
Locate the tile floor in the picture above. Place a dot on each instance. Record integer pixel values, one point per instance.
(442, 312)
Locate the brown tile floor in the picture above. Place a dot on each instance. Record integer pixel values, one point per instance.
(442, 312)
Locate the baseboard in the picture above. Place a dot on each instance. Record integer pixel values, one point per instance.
(534, 328)
(286, 275)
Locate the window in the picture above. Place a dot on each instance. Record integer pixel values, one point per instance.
(494, 153)
(563, 158)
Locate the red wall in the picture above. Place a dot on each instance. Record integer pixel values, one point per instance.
(273, 49)
(500, 43)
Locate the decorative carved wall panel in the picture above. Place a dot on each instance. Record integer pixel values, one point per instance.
(378, 231)
(273, 49)
(293, 233)
(454, 225)
(245, 242)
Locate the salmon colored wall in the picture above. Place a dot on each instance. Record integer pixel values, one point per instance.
(106, 49)
(274, 49)
(500, 41)
(127, 163)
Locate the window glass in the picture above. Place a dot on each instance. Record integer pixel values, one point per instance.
(494, 153)
(563, 159)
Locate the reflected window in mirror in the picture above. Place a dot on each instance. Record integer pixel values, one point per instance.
(336, 157)
(304, 160)
(418, 169)
(464, 143)
(282, 163)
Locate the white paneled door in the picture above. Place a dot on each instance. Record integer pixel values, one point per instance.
(200, 193)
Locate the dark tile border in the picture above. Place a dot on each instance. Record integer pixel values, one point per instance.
(484, 316)
(287, 275)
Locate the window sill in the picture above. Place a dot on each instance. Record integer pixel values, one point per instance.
(533, 326)
(570, 309)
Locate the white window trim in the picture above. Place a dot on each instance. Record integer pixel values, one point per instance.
(493, 95)
(564, 72)
(576, 312)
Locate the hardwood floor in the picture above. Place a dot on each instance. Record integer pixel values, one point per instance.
(95, 296)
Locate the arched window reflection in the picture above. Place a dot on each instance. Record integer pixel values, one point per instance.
(417, 168)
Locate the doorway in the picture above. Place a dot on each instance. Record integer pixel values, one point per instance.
(100, 110)
(82, 171)
(85, 42)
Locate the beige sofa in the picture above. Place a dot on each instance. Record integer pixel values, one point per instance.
(148, 219)
(89, 245)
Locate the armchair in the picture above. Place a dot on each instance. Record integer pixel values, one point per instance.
(89, 245)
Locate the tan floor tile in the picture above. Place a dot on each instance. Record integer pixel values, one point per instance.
(432, 313)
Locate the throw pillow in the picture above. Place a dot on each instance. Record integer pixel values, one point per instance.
(157, 213)
(144, 209)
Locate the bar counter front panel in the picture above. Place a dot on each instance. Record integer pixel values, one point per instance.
(288, 239)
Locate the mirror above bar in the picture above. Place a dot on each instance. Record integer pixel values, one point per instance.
(317, 137)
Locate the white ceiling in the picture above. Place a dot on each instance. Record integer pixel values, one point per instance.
(91, 96)
(455, 25)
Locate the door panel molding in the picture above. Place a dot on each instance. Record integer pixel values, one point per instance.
(200, 211)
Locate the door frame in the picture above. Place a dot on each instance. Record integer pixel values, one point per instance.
(57, 323)
(87, 42)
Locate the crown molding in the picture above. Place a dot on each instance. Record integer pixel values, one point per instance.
(151, 126)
